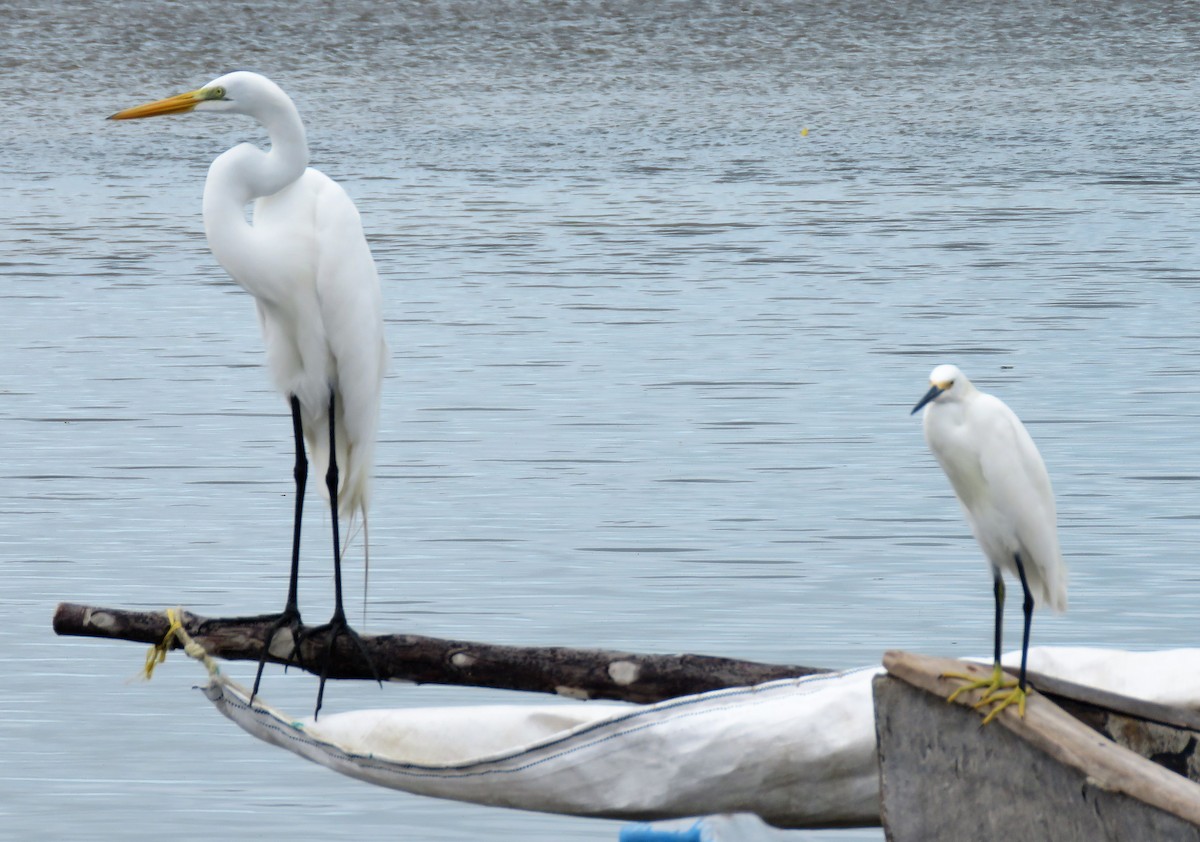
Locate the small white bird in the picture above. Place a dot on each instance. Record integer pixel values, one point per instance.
(307, 264)
(1001, 481)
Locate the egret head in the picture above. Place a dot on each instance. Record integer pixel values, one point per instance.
(946, 382)
(240, 92)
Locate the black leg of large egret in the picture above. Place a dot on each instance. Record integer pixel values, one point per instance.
(1028, 606)
(291, 610)
(300, 472)
(337, 625)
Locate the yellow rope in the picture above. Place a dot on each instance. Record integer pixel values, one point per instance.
(175, 630)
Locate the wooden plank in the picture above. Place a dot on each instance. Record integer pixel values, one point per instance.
(1164, 734)
(1060, 691)
(1045, 776)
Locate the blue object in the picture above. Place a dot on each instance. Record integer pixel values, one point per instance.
(661, 833)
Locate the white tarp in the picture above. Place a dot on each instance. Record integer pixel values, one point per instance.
(797, 752)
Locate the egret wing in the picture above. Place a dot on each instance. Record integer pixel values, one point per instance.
(352, 311)
(1020, 490)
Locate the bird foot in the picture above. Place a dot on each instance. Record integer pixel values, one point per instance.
(993, 688)
(989, 685)
(999, 690)
(335, 628)
(289, 618)
(1015, 695)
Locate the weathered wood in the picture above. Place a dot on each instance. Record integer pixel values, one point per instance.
(1091, 697)
(943, 776)
(578, 673)
(1166, 735)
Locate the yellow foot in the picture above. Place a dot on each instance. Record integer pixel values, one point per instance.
(1015, 695)
(990, 686)
(993, 688)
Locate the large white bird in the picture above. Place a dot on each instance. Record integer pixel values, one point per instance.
(1001, 481)
(307, 264)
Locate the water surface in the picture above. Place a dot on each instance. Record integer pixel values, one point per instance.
(653, 352)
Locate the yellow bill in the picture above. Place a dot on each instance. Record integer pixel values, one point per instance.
(178, 104)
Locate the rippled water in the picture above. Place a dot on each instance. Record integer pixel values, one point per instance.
(653, 352)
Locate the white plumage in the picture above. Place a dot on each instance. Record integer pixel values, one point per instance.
(1000, 480)
(307, 264)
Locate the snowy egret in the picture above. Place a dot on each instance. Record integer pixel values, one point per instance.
(307, 264)
(1001, 482)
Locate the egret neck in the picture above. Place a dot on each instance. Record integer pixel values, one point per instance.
(244, 173)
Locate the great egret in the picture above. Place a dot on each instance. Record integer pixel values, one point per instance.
(1001, 481)
(307, 264)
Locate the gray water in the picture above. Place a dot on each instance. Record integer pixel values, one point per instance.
(653, 353)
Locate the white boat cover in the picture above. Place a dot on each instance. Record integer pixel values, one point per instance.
(798, 753)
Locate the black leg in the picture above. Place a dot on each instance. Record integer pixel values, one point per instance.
(331, 483)
(998, 589)
(300, 472)
(1028, 606)
(291, 610)
(337, 625)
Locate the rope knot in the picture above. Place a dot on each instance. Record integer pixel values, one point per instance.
(175, 631)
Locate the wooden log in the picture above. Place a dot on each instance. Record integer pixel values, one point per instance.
(578, 673)
(944, 776)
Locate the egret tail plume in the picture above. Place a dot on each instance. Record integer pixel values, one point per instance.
(356, 524)
(366, 564)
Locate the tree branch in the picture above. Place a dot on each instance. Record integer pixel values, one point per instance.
(579, 673)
